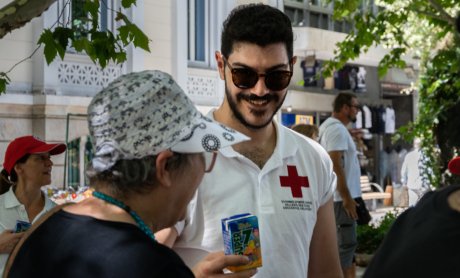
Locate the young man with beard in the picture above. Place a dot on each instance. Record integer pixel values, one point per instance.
(283, 178)
(336, 139)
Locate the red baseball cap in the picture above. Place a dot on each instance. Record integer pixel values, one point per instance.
(454, 165)
(28, 145)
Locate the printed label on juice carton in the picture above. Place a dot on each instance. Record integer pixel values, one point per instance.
(241, 237)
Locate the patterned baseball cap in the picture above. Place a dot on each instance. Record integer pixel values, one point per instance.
(143, 113)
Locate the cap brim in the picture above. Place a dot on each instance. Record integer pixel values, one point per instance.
(52, 149)
(454, 165)
(207, 136)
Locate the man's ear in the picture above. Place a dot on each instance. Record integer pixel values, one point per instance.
(220, 64)
(293, 60)
(163, 173)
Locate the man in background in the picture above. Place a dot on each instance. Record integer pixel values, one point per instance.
(336, 139)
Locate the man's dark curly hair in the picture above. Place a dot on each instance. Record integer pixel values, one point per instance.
(258, 24)
(342, 99)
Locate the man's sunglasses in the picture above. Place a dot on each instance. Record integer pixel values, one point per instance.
(245, 78)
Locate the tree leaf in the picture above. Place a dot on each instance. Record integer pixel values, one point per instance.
(123, 32)
(127, 3)
(120, 57)
(92, 7)
(4, 81)
(62, 36)
(140, 39)
(50, 51)
(79, 44)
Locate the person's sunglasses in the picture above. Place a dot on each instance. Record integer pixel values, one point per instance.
(245, 78)
(357, 106)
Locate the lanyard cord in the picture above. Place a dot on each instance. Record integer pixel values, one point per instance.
(131, 212)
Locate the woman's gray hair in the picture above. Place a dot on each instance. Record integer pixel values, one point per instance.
(133, 175)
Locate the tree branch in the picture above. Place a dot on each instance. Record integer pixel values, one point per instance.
(444, 14)
(430, 15)
(17, 13)
(25, 59)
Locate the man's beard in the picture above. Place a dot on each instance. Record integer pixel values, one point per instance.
(352, 119)
(251, 97)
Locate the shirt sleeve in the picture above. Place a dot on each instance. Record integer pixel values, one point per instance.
(180, 226)
(330, 186)
(335, 138)
(329, 179)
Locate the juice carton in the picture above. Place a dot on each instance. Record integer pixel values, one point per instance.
(241, 237)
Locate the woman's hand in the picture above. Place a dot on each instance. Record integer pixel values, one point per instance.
(213, 265)
(8, 241)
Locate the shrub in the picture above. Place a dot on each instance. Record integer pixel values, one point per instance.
(370, 236)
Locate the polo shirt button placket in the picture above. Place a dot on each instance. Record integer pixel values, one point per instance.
(23, 213)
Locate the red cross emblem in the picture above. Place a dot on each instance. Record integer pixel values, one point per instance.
(294, 181)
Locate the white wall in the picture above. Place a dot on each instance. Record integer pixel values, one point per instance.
(44, 114)
(158, 28)
(15, 47)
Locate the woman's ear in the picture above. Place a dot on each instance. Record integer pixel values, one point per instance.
(18, 168)
(163, 173)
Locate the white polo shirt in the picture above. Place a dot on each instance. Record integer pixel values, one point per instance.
(334, 136)
(285, 196)
(10, 211)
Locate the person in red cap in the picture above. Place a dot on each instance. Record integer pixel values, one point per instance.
(26, 168)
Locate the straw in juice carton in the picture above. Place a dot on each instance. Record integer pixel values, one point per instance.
(241, 237)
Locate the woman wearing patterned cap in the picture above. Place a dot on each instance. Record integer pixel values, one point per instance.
(26, 169)
(152, 148)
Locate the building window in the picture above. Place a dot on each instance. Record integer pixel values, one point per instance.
(198, 30)
(72, 14)
(317, 14)
(79, 18)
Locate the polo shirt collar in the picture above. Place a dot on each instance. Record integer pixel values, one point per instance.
(285, 147)
(227, 151)
(10, 199)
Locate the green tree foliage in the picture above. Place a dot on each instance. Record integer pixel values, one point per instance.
(371, 236)
(438, 121)
(421, 28)
(101, 47)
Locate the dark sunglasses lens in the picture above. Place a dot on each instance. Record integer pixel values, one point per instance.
(277, 80)
(244, 78)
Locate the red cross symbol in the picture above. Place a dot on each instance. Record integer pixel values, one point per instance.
(294, 181)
